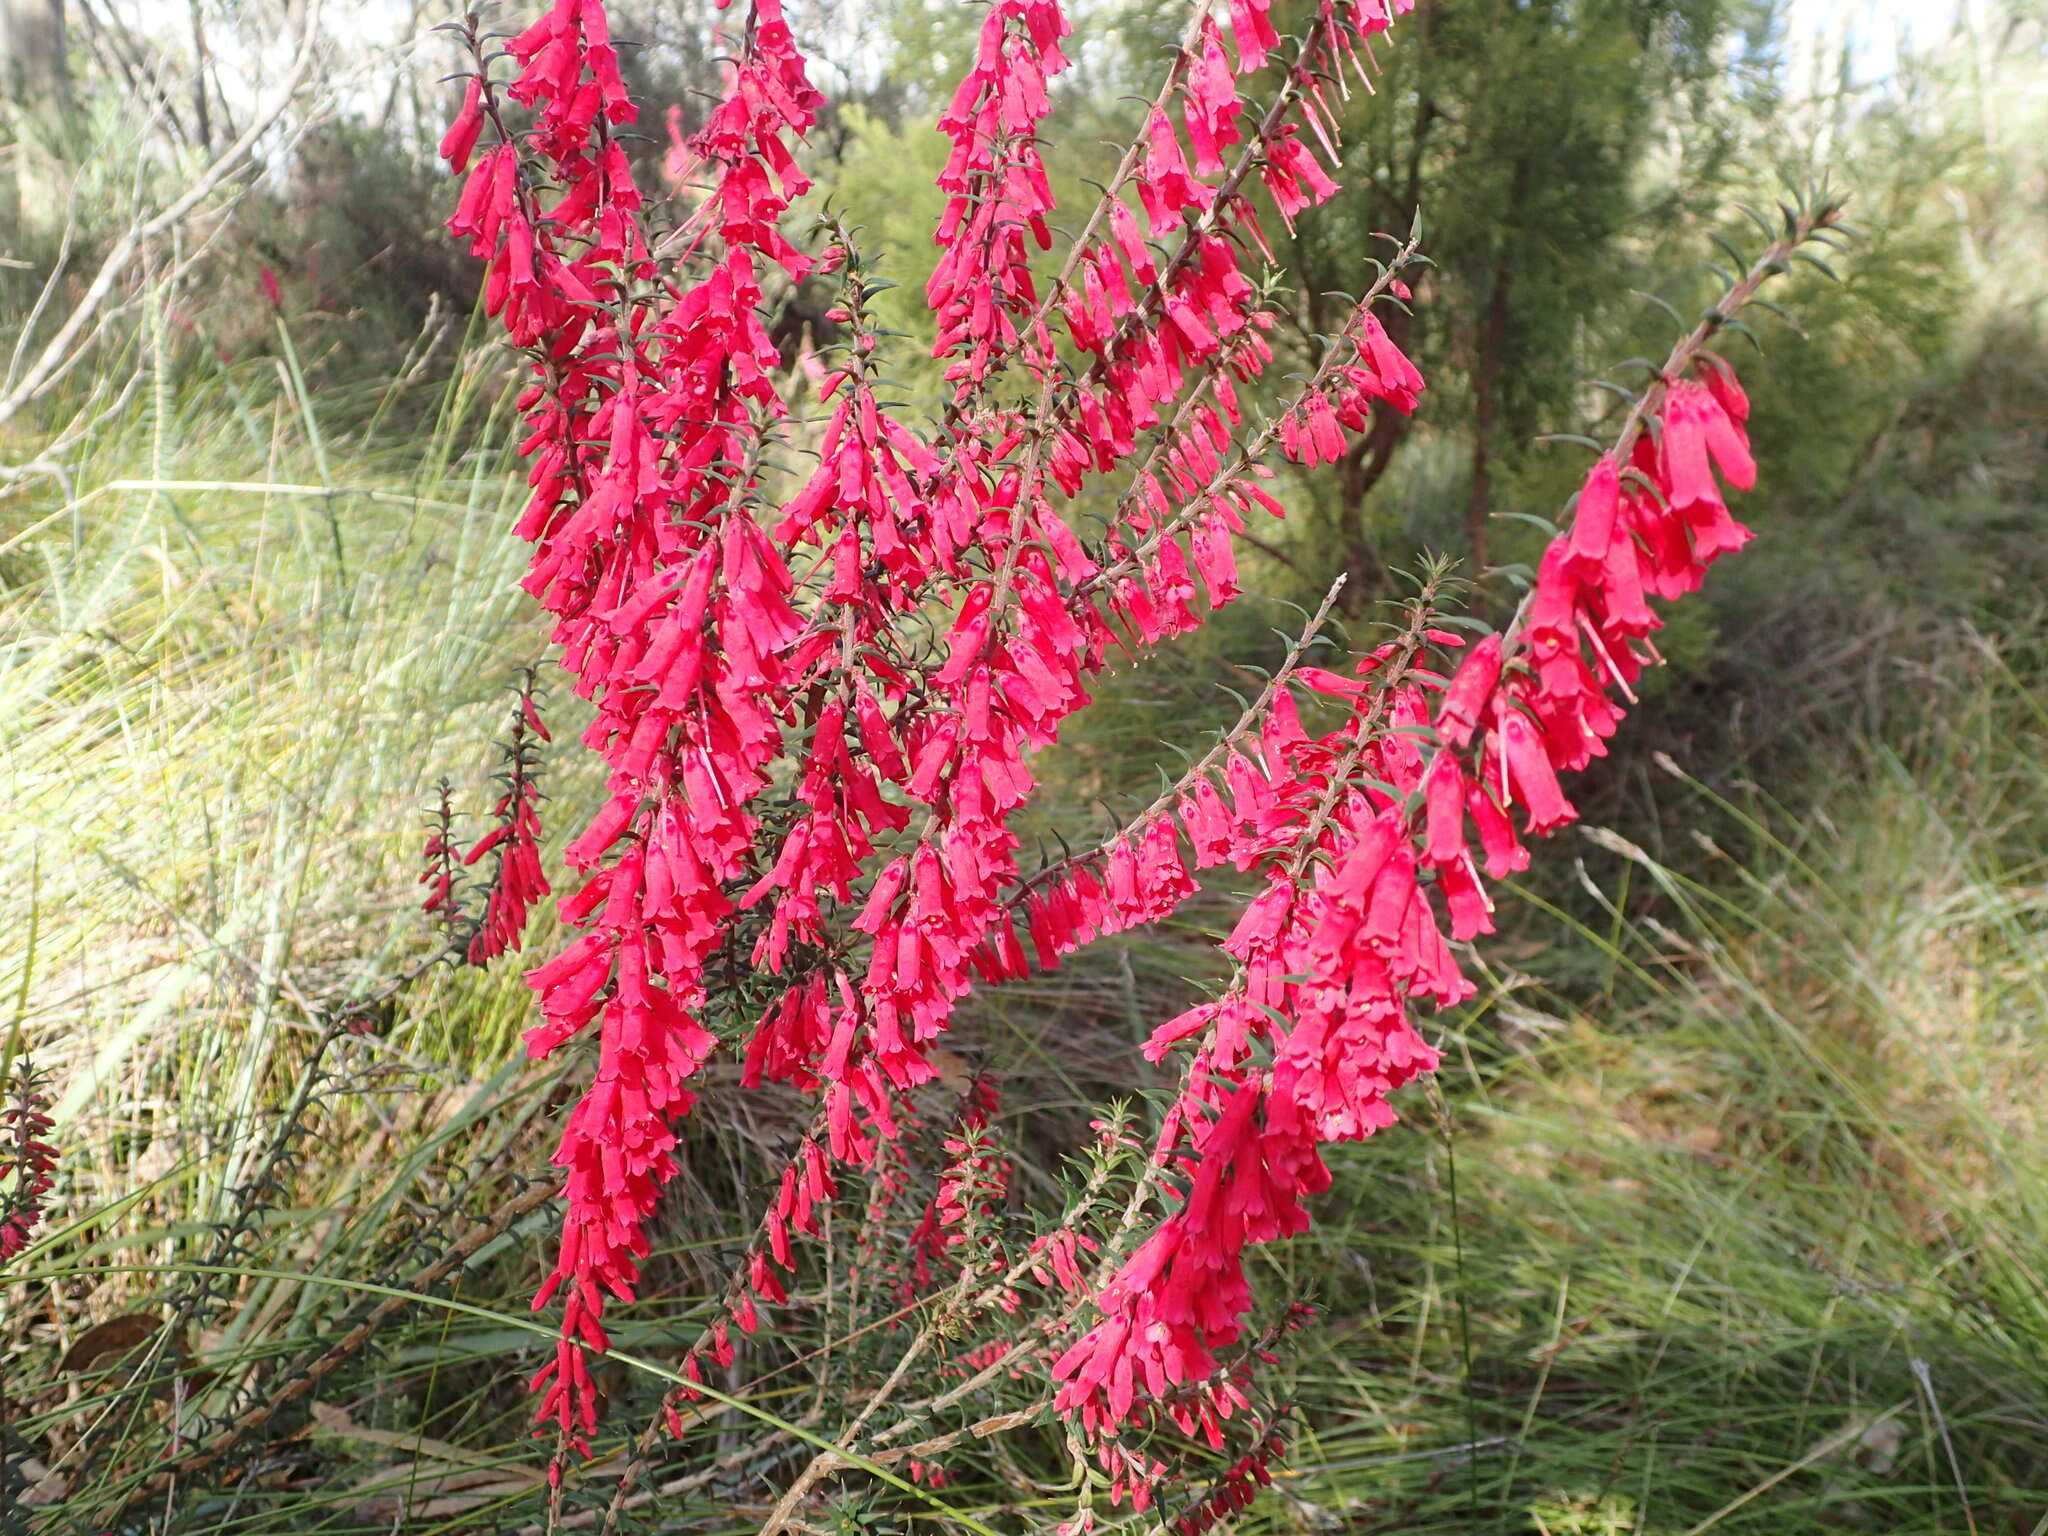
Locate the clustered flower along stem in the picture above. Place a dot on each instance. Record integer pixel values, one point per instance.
(28, 1164)
(517, 882)
(1343, 946)
(1252, 719)
(820, 706)
(1043, 1259)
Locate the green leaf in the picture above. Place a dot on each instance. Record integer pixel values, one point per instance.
(1748, 335)
(1514, 571)
(1676, 318)
(1759, 220)
(1780, 312)
(1817, 264)
(1741, 261)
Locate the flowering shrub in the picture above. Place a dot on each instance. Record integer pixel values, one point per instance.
(819, 700)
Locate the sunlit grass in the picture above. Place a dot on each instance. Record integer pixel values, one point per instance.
(234, 657)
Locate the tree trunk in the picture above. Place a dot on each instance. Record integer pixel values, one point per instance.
(34, 61)
(1488, 364)
(1493, 333)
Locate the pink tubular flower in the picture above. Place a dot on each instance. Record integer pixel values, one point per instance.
(1165, 185)
(1470, 690)
(1695, 428)
(1212, 107)
(459, 142)
(1519, 747)
(1594, 525)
